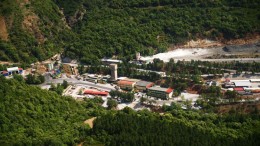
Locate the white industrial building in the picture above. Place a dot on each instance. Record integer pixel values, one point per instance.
(14, 70)
(245, 83)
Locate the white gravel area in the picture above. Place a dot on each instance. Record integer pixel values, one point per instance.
(188, 96)
(189, 53)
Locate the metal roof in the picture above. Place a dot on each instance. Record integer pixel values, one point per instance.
(156, 88)
(255, 80)
(111, 60)
(121, 78)
(239, 89)
(239, 80)
(4, 72)
(131, 80)
(143, 83)
(124, 82)
(95, 92)
(12, 69)
(242, 83)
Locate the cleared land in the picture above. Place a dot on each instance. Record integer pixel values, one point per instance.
(226, 53)
(90, 122)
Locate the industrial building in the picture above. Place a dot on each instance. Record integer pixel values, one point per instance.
(127, 84)
(242, 83)
(92, 77)
(4, 73)
(254, 80)
(14, 70)
(244, 87)
(95, 92)
(237, 83)
(49, 64)
(113, 68)
(109, 61)
(143, 85)
(11, 71)
(56, 73)
(158, 92)
(252, 90)
(95, 78)
(239, 90)
(162, 74)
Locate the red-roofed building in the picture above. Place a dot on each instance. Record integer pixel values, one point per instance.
(143, 85)
(95, 92)
(169, 90)
(163, 93)
(20, 70)
(239, 89)
(4, 73)
(125, 84)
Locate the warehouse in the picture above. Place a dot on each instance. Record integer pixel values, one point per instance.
(126, 85)
(143, 85)
(14, 70)
(163, 93)
(239, 90)
(255, 80)
(11, 71)
(242, 83)
(4, 73)
(95, 92)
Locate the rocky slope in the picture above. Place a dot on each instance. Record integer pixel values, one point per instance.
(31, 30)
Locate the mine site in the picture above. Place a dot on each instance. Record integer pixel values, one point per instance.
(206, 50)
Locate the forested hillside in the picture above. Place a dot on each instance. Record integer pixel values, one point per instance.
(31, 116)
(122, 27)
(176, 128)
(92, 29)
(33, 30)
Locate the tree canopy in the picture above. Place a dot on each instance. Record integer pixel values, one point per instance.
(32, 116)
(91, 29)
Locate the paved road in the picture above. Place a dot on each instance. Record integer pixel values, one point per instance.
(225, 59)
(48, 80)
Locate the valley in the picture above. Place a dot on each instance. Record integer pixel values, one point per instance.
(130, 72)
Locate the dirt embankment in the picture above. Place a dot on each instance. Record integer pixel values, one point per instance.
(249, 39)
(90, 122)
(3, 29)
(206, 43)
(31, 22)
(6, 63)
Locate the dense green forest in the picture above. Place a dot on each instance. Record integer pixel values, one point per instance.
(93, 29)
(121, 27)
(176, 128)
(32, 116)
